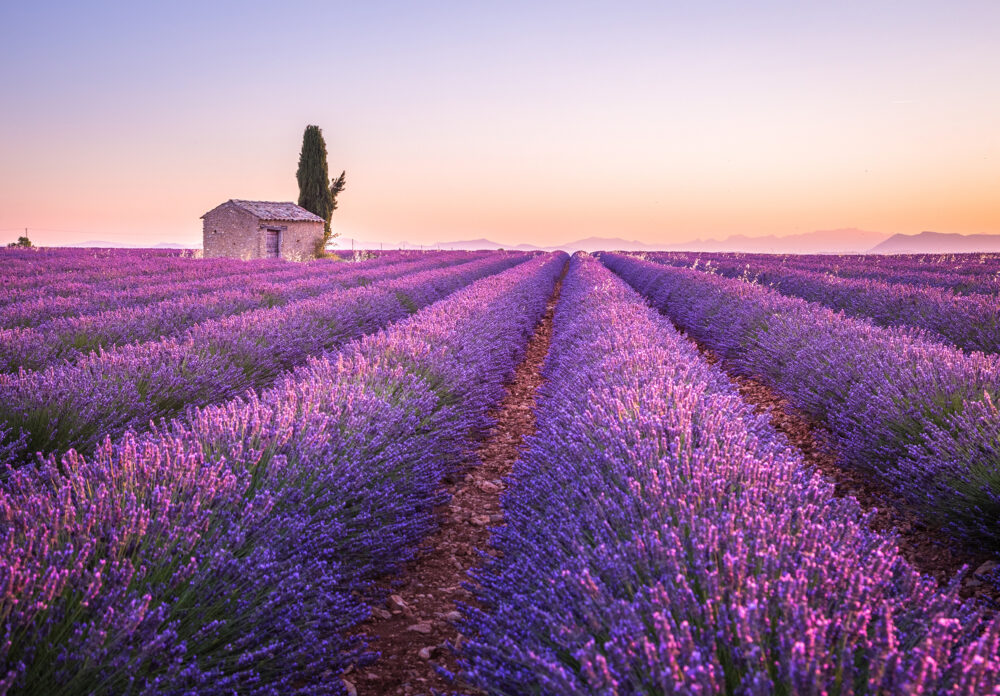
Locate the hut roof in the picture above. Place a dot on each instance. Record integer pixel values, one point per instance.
(274, 210)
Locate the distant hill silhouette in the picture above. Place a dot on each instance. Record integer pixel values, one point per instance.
(823, 241)
(588, 244)
(839, 241)
(602, 243)
(473, 244)
(937, 243)
(347, 243)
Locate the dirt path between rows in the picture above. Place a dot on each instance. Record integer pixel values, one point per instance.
(927, 550)
(414, 627)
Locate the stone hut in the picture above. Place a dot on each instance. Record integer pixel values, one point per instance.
(261, 229)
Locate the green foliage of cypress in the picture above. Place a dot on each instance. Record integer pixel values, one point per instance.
(26, 243)
(338, 185)
(313, 174)
(317, 193)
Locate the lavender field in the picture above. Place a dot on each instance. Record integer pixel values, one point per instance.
(499, 472)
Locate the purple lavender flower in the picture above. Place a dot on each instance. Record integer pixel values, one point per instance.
(911, 411)
(661, 538)
(233, 550)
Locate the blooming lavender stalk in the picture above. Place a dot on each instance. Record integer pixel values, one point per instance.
(661, 538)
(232, 551)
(105, 393)
(918, 414)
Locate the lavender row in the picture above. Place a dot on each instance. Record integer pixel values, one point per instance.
(979, 274)
(232, 550)
(918, 414)
(963, 264)
(128, 281)
(105, 393)
(923, 268)
(49, 269)
(54, 300)
(24, 270)
(75, 258)
(70, 337)
(971, 322)
(661, 538)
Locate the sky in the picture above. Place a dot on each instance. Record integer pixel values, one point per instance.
(515, 121)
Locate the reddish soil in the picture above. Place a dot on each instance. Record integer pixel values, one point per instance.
(926, 549)
(414, 627)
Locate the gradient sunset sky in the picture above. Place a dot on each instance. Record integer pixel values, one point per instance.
(520, 122)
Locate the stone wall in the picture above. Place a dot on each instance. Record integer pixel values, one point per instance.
(298, 239)
(231, 232)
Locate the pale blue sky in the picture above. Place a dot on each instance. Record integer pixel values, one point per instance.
(516, 121)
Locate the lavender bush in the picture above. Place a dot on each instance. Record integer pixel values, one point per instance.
(959, 273)
(917, 413)
(68, 338)
(78, 294)
(105, 393)
(75, 298)
(971, 322)
(231, 551)
(660, 538)
(38, 267)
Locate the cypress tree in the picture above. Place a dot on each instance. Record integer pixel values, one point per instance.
(314, 179)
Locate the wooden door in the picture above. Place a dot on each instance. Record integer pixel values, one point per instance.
(271, 250)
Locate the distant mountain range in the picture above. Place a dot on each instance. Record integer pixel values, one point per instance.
(839, 241)
(588, 245)
(829, 241)
(938, 243)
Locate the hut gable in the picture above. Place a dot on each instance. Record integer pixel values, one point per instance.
(261, 229)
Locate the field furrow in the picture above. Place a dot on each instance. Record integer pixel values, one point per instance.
(414, 630)
(498, 473)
